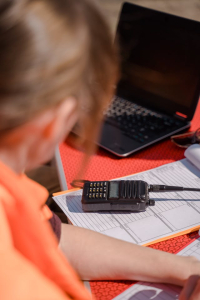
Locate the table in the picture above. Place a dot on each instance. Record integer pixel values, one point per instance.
(106, 166)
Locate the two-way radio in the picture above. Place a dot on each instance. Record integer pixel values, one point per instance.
(122, 195)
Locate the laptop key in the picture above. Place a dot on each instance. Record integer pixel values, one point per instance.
(141, 140)
(142, 129)
(167, 123)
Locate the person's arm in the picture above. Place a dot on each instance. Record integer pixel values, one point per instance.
(96, 256)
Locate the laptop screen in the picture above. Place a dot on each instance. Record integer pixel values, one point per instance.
(160, 59)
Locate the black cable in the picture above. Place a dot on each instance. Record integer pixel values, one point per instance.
(167, 188)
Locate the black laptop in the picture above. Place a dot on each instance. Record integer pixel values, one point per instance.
(159, 85)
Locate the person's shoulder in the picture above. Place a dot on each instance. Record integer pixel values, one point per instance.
(5, 196)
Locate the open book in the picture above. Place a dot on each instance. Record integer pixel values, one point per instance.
(174, 213)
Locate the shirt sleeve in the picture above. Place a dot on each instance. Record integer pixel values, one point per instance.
(56, 225)
(15, 269)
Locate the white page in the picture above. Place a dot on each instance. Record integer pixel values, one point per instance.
(173, 212)
(146, 291)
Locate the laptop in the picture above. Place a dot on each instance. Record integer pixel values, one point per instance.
(159, 86)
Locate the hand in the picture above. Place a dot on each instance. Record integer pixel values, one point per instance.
(191, 289)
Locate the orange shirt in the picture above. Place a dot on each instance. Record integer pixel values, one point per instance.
(31, 264)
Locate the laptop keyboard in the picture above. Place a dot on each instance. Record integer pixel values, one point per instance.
(139, 123)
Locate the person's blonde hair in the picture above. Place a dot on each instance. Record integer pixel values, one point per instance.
(49, 50)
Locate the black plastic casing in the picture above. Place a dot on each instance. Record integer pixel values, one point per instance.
(129, 195)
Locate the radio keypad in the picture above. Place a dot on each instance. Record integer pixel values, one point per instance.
(97, 190)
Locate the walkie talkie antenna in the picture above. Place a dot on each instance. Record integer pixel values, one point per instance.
(168, 188)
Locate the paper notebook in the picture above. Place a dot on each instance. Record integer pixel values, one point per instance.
(145, 291)
(175, 213)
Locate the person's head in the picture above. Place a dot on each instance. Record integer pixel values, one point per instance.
(57, 66)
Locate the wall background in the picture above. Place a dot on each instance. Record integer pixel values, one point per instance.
(186, 8)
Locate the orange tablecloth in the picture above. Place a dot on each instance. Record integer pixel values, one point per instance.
(105, 166)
